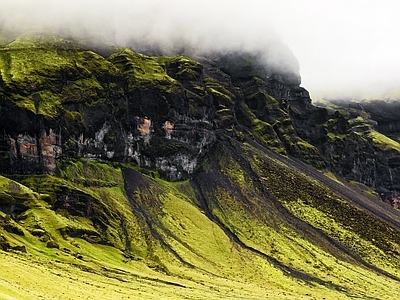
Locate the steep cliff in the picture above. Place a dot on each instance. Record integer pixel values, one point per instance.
(61, 101)
(188, 177)
(363, 144)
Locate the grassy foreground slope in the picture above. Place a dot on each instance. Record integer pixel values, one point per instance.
(245, 226)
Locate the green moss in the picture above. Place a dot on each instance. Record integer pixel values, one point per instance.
(356, 121)
(335, 136)
(44, 72)
(181, 68)
(138, 67)
(236, 174)
(306, 146)
(6, 199)
(292, 186)
(16, 190)
(114, 222)
(218, 91)
(265, 133)
(195, 250)
(383, 142)
(341, 232)
(91, 173)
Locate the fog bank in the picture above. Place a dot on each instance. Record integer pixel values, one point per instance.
(344, 48)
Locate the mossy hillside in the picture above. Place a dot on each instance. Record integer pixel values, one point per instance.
(148, 81)
(273, 114)
(266, 107)
(365, 248)
(334, 131)
(221, 94)
(223, 100)
(190, 75)
(192, 246)
(296, 188)
(43, 74)
(199, 243)
(77, 240)
(16, 190)
(261, 131)
(245, 225)
(167, 87)
(140, 68)
(182, 68)
(204, 245)
(93, 191)
(308, 153)
(40, 220)
(64, 281)
(383, 142)
(263, 226)
(242, 193)
(195, 238)
(333, 106)
(91, 173)
(366, 146)
(359, 124)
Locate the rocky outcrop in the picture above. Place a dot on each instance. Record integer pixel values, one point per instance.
(160, 112)
(60, 101)
(362, 144)
(126, 108)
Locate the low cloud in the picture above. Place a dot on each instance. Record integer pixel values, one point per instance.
(202, 26)
(342, 47)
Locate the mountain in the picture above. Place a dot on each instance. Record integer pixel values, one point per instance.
(376, 144)
(212, 176)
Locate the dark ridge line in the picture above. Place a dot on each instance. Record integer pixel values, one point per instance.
(286, 269)
(157, 235)
(146, 218)
(125, 232)
(168, 232)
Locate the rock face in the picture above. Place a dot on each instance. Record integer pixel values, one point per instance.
(363, 144)
(60, 101)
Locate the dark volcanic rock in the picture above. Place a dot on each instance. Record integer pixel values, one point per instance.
(160, 112)
(165, 113)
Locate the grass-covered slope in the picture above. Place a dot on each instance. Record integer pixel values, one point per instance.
(245, 226)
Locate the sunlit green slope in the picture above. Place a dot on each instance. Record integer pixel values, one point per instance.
(245, 226)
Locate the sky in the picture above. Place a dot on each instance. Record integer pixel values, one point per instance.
(343, 48)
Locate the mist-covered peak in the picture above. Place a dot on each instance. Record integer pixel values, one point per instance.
(246, 65)
(155, 27)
